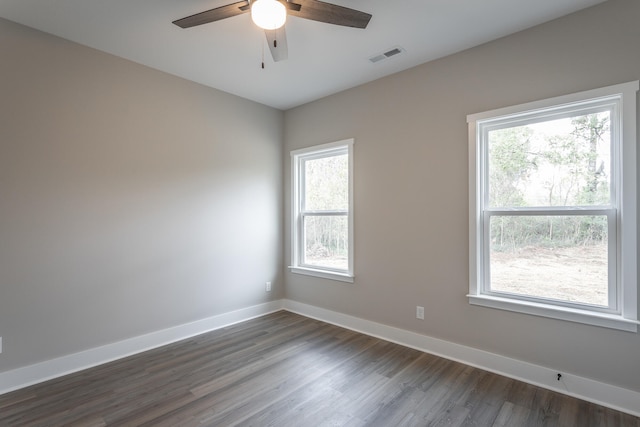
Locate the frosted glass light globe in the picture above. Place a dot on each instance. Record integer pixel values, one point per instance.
(268, 14)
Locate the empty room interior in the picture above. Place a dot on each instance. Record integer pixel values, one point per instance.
(346, 233)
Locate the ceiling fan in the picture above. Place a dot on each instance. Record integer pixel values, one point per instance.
(271, 15)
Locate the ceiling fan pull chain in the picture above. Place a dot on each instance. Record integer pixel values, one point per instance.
(262, 46)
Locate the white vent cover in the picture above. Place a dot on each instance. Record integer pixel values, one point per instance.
(387, 54)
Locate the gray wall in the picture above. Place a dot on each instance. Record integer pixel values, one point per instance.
(130, 200)
(411, 187)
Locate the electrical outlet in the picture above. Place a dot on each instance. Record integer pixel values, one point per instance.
(267, 287)
(420, 313)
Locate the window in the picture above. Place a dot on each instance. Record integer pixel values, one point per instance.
(322, 222)
(552, 208)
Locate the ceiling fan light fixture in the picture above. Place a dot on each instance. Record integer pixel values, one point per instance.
(268, 14)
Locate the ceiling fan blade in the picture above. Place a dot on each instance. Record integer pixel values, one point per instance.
(212, 15)
(290, 5)
(277, 41)
(331, 14)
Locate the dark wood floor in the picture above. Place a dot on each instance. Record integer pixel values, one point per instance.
(287, 370)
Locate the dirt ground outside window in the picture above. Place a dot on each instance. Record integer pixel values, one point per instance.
(574, 274)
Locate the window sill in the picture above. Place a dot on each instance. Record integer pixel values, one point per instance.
(555, 312)
(331, 275)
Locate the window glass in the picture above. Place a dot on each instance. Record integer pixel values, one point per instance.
(559, 162)
(326, 241)
(562, 258)
(326, 183)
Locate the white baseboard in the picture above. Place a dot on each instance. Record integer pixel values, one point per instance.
(582, 388)
(43, 371)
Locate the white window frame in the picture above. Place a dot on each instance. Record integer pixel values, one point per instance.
(622, 214)
(298, 212)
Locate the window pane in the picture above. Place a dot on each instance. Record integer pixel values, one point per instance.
(555, 257)
(326, 242)
(326, 182)
(562, 162)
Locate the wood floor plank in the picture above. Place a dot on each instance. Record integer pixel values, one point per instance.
(512, 415)
(283, 370)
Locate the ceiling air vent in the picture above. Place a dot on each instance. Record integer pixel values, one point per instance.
(392, 52)
(388, 54)
(377, 58)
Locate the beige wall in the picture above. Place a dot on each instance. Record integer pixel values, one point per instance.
(130, 200)
(411, 187)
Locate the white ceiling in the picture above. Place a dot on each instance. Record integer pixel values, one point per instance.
(323, 58)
